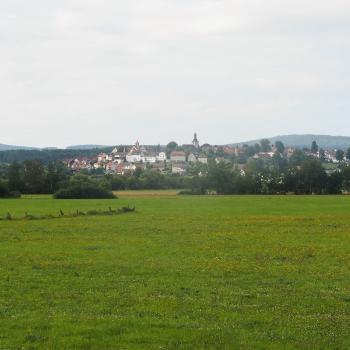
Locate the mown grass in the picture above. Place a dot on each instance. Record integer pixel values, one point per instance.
(242, 272)
(147, 193)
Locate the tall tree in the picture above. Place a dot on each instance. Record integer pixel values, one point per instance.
(14, 176)
(265, 145)
(334, 183)
(346, 178)
(249, 151)
(280, 163)
(56, 174)
(170, 147)
(220, 177)
(314, 147)
(347, 155)
(339, 155)
(297, 158)
(313, 176)
(279, 147)
(34, 176)
(322, 155)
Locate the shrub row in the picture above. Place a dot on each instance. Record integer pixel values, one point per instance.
(75, 214)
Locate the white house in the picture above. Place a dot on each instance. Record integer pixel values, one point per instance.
(203, 159)
(103, 157)
(192, 158)
(148, 159)
(133, 158)
(161, 157)
(178, 156)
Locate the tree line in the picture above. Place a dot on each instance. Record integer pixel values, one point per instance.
(300, 173)
(34, 177)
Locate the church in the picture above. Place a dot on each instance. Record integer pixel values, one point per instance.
(195, 141)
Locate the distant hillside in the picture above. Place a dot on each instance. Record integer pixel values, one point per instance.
(48, 155)
(300, 141)
(82, 147)
(12, 148)
(77, 147)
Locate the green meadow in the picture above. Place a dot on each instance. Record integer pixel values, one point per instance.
(181, 272)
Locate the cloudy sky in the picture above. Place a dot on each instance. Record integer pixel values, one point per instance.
(112, 71)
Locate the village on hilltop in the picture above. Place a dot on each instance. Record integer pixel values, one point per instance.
(175, 159)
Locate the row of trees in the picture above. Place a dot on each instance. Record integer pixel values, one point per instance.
(265, 146)
(33, 177)
(299, 173)
(278, 176)
(146, 179)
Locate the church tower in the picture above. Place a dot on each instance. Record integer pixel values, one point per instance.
(195, 141)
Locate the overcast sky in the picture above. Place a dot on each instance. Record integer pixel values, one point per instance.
(113, 71)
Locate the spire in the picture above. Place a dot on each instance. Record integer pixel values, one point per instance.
(195, 141)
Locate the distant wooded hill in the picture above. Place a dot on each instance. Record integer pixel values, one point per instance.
(20, 153)
(301, 141)
(11, 147)
(48, 155)
(83, 147)
(77, 147)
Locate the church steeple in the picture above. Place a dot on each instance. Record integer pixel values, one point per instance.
(195, 141)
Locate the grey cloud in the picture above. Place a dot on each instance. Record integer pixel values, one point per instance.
(77, 71)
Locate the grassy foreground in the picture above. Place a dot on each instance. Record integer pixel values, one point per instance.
(179, 273)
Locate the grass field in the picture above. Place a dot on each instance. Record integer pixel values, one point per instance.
(147, 193)
(182, 272)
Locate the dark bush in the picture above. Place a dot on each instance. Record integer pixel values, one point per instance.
(5, 191)
(83, 187)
